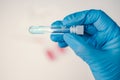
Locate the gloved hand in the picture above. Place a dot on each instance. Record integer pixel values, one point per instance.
(99, 47)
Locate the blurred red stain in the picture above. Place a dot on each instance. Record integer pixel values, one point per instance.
(61, 50)
(50, 54)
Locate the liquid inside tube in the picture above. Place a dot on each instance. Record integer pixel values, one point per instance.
(47, 29)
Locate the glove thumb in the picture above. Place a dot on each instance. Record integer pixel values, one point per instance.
(78, 44)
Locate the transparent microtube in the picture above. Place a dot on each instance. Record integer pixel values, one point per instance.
(47, 29)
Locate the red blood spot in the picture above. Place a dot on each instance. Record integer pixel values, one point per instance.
(50, 55)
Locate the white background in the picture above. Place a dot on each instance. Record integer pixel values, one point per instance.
(22, 55)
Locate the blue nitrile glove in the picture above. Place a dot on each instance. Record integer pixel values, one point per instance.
(99, 47)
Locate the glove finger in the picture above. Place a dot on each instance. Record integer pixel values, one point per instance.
(56, 37)
(90, 30)
(62, 44)
(95, 17)
(57, 24)
(75, 18)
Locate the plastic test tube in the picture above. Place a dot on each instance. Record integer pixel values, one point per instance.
(47, 29)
